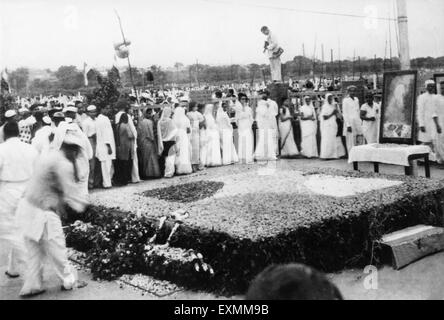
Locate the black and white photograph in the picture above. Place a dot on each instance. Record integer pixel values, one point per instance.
(221, 151)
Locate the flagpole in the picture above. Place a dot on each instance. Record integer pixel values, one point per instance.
(129, 63)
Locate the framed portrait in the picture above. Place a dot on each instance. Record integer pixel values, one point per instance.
(398, 108)
(438, 77)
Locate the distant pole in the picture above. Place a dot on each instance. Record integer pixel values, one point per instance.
(197, 73)
(360, 67)
(404, 50)
(339, 59)
(129, 63)
(353, 65)
(331, 66)
(390, 43)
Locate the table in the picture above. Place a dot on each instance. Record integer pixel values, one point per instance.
(395, 154)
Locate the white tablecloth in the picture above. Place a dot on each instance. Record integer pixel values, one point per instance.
(386, 153)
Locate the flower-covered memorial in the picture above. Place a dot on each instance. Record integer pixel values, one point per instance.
(241, 219)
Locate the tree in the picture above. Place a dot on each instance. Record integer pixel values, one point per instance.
(69, 77)
(18, 79)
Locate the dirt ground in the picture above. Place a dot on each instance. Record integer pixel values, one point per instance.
(418, 281)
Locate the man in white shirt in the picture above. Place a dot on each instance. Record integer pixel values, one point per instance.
(123, 106)
(352, 118)
(90, 129)
(16, 168)
(106, 146)
(272, 47)
(439, 139)
(370, 116)
(427, 115)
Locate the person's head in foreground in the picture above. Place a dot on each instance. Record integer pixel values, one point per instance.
(292, 282)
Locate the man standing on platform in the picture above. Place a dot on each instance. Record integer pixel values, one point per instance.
(427, 116)
(352, 118)
(274, 54)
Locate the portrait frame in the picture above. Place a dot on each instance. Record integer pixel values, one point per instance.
(409, 105)
(438, 78)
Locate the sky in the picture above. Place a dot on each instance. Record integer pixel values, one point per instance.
(50, 33)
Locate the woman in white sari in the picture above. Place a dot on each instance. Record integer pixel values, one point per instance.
(288, 146)
(183, 146)
(229, 154)
(266, 132)
(196, 119)
(167, 139)
(244, 120)
(212, 153)
(309, 146)
(331, 144)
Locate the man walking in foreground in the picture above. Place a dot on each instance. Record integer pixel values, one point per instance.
(16, 168)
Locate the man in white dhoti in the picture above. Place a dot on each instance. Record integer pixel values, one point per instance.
(16, 168)
(370, 115)
(352, 120)
(123, 106)
(427, 116)
(106, 146)
(89, 127)
(266, 130)
(439, 139)
(50, 189)
(10, 116)
(274, 54)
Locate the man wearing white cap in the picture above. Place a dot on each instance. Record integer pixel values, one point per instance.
(41, 140)
(10, 116)
(25, 125)
(51, 188)
(427, 117)
(352, 118)
(16, 168)
(89, 128)
(86, 152)
(106, 146)
(70, 113)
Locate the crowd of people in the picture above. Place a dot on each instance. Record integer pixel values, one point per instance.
(51, 155)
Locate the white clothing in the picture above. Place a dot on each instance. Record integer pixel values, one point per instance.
(49, 189)
(229, 154)
(183, 145)
(16, 168)
(352, 118)
(331, 144)
(288, 145)
(244, 119)
(438, 140)
(212, 153)
(41, 139)
(266, 131)
(86, 150)
(309, 144)
(105, 136)
(427, 108)
(370, 128)
(89, 127)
